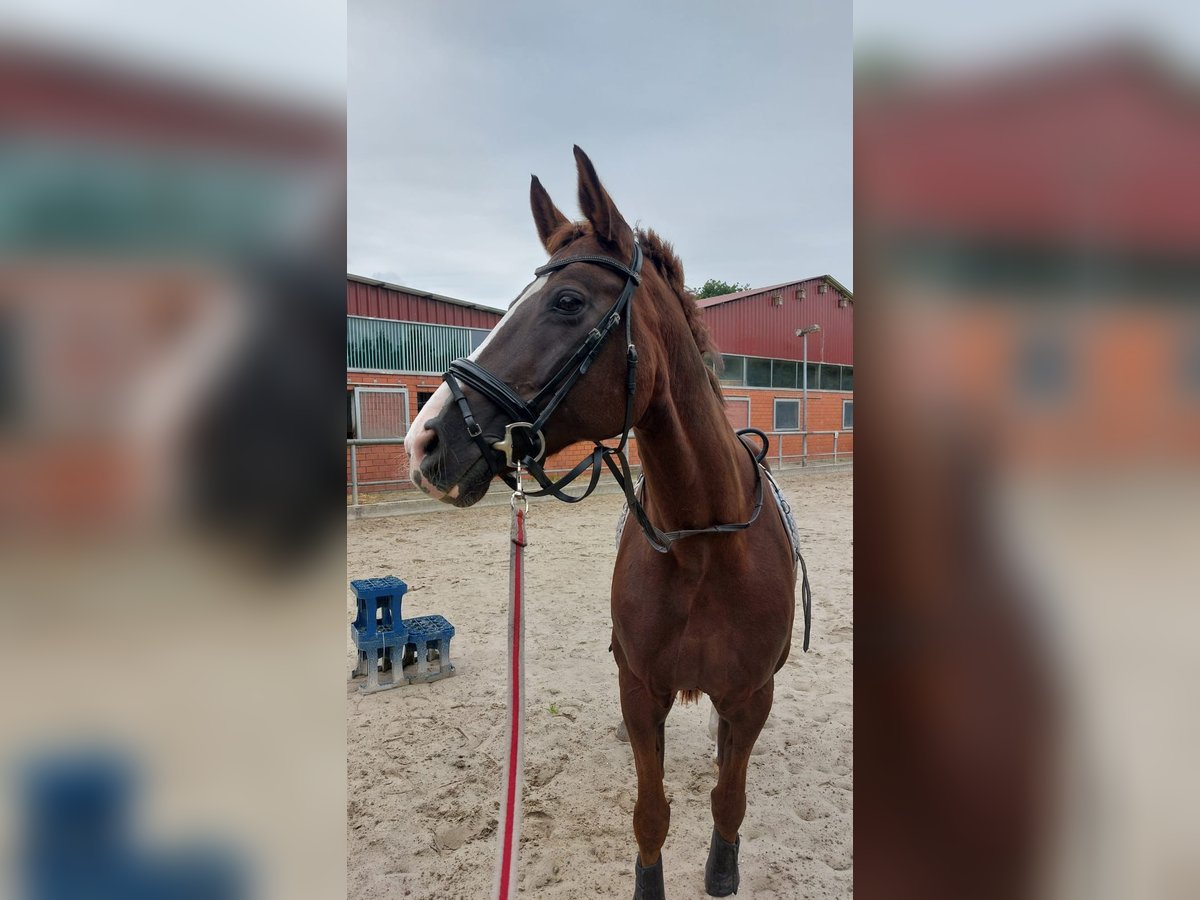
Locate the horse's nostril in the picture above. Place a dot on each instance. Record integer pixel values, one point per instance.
(430, 439)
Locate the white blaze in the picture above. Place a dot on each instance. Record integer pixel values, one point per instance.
(416, 441)
(530, 291)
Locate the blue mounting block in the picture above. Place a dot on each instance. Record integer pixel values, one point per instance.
(378, 631)
(380, 658)
(378, 602)
(427, 657)
(392, 650)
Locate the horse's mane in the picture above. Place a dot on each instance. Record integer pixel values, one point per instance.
(662, 255)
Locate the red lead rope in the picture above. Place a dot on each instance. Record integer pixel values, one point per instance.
(508, 848)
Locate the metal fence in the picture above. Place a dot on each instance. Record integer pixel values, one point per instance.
(787, 452)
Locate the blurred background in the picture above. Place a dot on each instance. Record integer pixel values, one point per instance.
(172, 249)
(1028, 477)
(171, 268)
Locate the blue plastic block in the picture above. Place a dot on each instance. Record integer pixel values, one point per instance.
(383, 638)
(366, 588)
(427, 636)
(378, 603)
(428, 628)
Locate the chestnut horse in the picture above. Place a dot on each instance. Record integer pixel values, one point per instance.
(695, 608)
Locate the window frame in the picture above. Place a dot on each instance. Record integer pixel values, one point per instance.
(359, 389)
(725, 372)
(736, 368)
(775, 415)
(848, 402)
(796, 377)
(770, 369)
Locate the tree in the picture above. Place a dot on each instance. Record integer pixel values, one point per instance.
(714, 287)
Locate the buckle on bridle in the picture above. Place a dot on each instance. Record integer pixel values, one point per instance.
(505, 445)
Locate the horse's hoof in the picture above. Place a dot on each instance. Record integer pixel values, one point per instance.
(649, 885)
(721, 871)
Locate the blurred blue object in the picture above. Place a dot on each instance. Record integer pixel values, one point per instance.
(79, 843)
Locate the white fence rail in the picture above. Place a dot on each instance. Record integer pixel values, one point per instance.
(787, 451)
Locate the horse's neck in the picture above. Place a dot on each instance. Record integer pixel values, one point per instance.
(697, 472)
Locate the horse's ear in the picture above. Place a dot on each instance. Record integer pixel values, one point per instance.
(546, 215)
(599, 209)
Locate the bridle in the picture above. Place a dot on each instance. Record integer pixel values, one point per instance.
(524, 444)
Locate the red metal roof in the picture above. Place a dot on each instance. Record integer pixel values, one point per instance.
(763, 321)
(381, 300)
(1099, 149)
(751, 292)
(75, 96)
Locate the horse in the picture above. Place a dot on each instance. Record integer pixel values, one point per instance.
(703, 593)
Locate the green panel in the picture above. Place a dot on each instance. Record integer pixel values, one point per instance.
(383, 345)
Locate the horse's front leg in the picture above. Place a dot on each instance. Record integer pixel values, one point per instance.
(645, 717)
(740, 726)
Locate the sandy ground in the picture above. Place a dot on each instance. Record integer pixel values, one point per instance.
(424, 760)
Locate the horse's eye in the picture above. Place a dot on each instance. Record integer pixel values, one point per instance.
(568, 303)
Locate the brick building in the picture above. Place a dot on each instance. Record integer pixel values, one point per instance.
(400, 340)
(764, 371)
(1045, 219)
(398, 343)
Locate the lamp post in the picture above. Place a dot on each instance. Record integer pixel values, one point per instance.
(803, 334)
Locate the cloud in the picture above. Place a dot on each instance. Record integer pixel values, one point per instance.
(726, 130)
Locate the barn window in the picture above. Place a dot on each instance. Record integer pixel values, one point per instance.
(758, 372)
(478, 336)
(847, 378)
(384, 345)
(423, 397)
(847, 415)
(351, 424)
(381, 413)
(1043, 367)
(814, 377)
(735, 369)
(831, 378)
(787, 415)
(783, 373)
(1190, 367)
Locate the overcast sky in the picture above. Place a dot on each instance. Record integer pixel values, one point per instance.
(726, 127)
(937, 32)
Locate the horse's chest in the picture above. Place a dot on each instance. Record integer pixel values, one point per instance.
(691, 635)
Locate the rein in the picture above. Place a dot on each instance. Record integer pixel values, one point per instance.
(524, 443)
(504, 882)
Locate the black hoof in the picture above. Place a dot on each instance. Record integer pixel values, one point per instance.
(721, 871)
(649, 881)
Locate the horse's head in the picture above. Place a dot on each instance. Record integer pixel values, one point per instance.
(542, 330)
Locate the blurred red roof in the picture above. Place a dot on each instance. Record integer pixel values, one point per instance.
(1099, 151)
